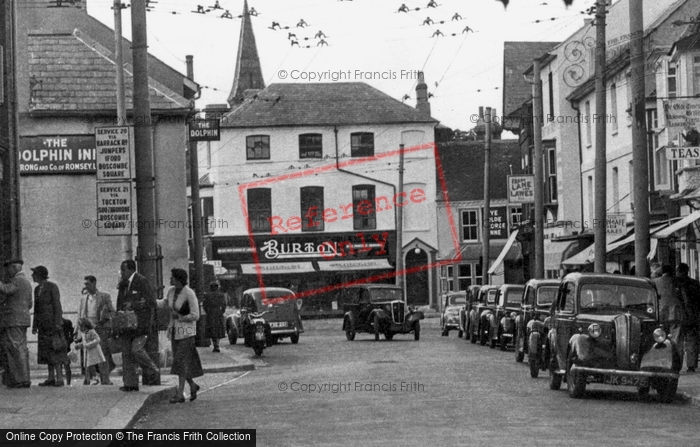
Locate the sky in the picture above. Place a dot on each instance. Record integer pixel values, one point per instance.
(368, 41)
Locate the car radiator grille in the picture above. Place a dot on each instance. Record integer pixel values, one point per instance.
(627, 341)
(397, 311)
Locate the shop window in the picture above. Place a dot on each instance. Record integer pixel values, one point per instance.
(364, 214)
(259, 209)
(470, 226)
(362, 144)
(311, 145)
(311, 208)
(257, 147)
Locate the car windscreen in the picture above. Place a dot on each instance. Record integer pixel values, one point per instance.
(546, 295)
(385, 294)
(513, 297)
(491, 296)
(616, 296)
(276, 297)
(456, 300)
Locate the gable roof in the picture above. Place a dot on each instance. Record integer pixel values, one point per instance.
(517, 58)
(74, 73)
(463, 168)
(322, 104)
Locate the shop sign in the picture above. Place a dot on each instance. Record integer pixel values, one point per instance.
(521, 188)
(113, 149)
(682, 114)
(683, 153)
(274, 249)
(60, 154)
(498, 222)
(615, 226)
(114, 209)
(204, 130)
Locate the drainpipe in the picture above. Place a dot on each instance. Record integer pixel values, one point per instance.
(580, 159)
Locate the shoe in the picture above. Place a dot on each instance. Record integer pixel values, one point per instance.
(58, 383)
(193, 392)
(177, 400)
(48, 382)
(128, 388)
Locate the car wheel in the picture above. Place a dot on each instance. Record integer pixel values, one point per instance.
(416, 331)
(258, 350)
(575, 382)
(533, 356)
(294, 338)
(473, 337)
(483, 337)
(554, 378)
(349, 330)
(492, 341)
(519, 346)
(667, 390)
(445, 332)
(643, 391)
(232, 335)
(459, 334)
(376, 328)
(503, 342)
(389, 335)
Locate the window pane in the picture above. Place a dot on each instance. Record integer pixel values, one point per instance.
(310, 145)
(363, 207)
(312, 208)
(259, 209)
(258, 147)
(469, 225)
(362, 144)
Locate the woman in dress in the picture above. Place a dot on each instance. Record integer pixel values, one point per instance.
(48, 324)
(215, 306)
(184, 313)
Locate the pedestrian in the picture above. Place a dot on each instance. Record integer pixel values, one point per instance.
(215, 306)
(15, 303)
(48, 324)
(92, 352)
(184, 313)
(97, 307)
(690, 326)
(670, 304)
(68, 335)
(654, 270)
(136, 294)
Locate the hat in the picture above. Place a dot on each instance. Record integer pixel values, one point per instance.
(13, 261)
(41, 271)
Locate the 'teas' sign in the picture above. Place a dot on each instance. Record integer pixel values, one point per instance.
(683, 153)
(204, 130)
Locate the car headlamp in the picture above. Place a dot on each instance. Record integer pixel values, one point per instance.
(513, 315)
(594, 330)
(659, 335)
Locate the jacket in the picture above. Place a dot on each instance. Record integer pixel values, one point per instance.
(91, 345)
(140, 298)
(105, 309)
(183, 321)
(48, 313)
(16, 299)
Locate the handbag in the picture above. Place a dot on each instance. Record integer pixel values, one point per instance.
(124, 321)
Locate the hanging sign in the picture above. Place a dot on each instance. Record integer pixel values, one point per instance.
(204, 130)
(521, 188)
(113, 148)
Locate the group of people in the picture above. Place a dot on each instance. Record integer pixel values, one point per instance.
(679, 307)
(95, 335)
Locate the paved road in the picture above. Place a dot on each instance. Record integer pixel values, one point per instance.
(437, 391)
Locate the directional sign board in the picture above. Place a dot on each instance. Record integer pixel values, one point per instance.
(114, 209)
(113, 147)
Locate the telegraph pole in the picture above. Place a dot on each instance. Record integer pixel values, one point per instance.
(599, 219)
(400, 269)
(640, 160)
(127, 249)
(486, 222)
(196, 206)
(538, 168)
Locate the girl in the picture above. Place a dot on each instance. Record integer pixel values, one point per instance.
(92, 350)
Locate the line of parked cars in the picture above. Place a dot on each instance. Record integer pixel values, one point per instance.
(584, 329)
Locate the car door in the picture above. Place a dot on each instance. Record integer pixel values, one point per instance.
(564, 320)
(364, 307)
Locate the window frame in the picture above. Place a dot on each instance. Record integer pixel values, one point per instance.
(254, 147)
(472, 225)
(305, 147)
(358, 149)
(267, 228)
(364, 221)
(315, 199)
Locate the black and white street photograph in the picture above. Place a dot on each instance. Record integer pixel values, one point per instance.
(349, 222)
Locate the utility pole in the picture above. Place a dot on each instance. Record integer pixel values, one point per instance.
(127, 249)
(196, 205)
(640, 160)
(486, 222)
(400, 269)
(13, 126)
(537, 116)
(599, 219)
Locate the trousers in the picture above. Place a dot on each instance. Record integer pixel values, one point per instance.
(134, 353)
(13, 340)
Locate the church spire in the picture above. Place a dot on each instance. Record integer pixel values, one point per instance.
(248, 75)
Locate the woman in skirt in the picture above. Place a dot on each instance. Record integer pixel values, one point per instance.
(184, 313)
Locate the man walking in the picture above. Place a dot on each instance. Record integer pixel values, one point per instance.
(97, 307)
(16, 300)
(690, 326)
(136, 294)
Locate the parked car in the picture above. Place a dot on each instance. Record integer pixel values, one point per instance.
(478, 316)
(454, 307)
(605, 329)
(472, 294)
(508, 301)
(532, 323)
(282, 314)
(378, 309)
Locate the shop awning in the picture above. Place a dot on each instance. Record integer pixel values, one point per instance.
(554, 252)
(504, 252)
(586, 256)
(354, 264)
(680, 225)
(473, 251)
(278, 267)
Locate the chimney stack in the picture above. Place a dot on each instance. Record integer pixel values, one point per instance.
(422, 103)
(190, 66)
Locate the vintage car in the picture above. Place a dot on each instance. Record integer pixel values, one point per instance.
(282, 314)
(378, 309)
(605, 329)
(454, 307)
(472, 293)
(502, 320)
(478, 316)
(532, 323)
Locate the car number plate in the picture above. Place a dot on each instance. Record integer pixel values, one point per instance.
(278, 324)
(614, 379)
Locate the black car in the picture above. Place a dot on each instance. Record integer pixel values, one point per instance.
(503, 324)
(605, 329)
(532, 323)
(484, 306)
(454, 308)
(378, 309)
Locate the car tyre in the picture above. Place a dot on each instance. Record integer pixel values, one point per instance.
(643, 391)
(554, 378)
(459, 334)
(575, 382)
(376, 328)
(258, 350)
(483, 337)
(667, 390)
(294, 338)
(388, 335)
(232, 335)
(533, 355)
(492, 341)
(445, 332)
(349, 330)
(503, 342)
(416, 331)
(473, 337)
(519, 346)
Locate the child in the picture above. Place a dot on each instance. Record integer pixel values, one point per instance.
(68, 334)
(91, 350)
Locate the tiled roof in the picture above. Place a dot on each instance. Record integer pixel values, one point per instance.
(74, 73)
(517, 57)
(463, 167)
(322, 104)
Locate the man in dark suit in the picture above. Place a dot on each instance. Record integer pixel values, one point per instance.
(136, 294)
(97, 307)
(16, 299)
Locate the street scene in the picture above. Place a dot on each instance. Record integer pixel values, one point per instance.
(331, 223)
